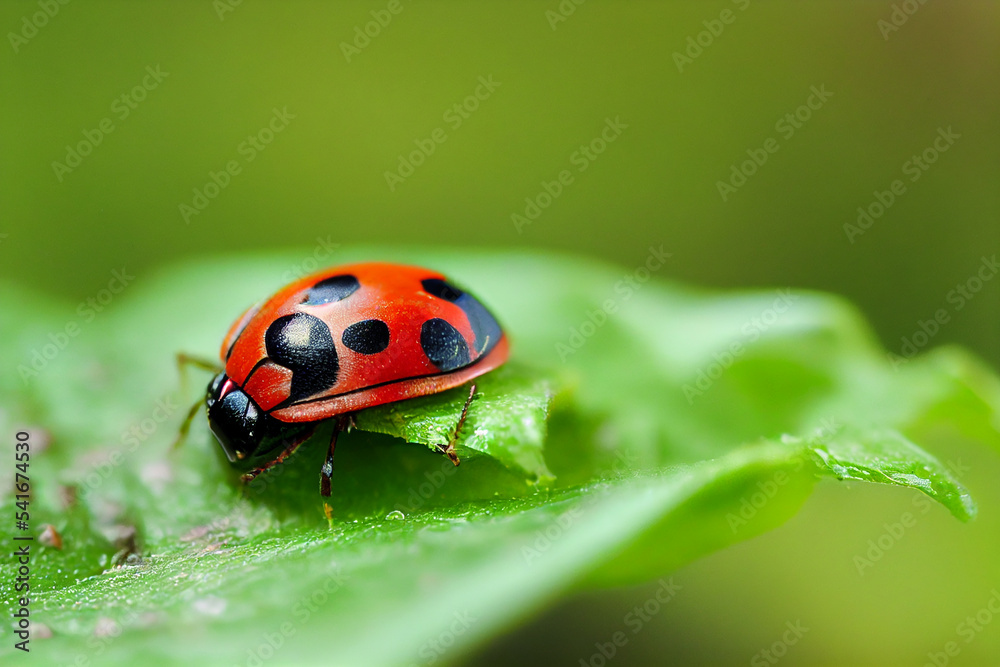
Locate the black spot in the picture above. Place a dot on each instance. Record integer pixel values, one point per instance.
(331, 289)
(484, 325)
(443, 345)
(441, 289)
(367, 336)
(303, 344)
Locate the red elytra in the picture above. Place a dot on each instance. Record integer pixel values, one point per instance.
(338, 341)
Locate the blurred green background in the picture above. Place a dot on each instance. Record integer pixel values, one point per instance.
(352, 111)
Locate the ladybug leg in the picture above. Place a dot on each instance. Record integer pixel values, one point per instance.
(449, 450)
(344, 423)
(248, 477)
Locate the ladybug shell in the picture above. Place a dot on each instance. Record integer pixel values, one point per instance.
(355, 336)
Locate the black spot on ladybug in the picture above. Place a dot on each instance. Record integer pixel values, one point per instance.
(441, 289)
(367, 336)
(443, 345)
(330, 290)
(484, 325)
(303, 344)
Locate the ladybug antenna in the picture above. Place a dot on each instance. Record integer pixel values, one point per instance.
(182, 432)
(183, 361)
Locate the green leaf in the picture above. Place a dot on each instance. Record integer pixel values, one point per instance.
(890, 458)
(506, 420)
(638, 426)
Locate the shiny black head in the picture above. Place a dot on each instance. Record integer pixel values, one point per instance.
(249, 436)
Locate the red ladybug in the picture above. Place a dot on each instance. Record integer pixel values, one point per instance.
(338, 341)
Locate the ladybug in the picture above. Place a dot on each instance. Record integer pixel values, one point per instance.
(338, 341)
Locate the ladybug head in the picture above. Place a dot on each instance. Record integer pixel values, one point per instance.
(249, 436)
